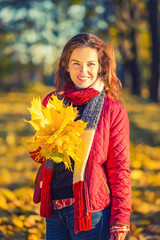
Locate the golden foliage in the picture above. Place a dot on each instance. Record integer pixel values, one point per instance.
(57, 134)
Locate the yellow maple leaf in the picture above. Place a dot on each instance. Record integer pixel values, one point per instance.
(35, 110)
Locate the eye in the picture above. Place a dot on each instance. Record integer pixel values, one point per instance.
(91, 64)
(76, 63)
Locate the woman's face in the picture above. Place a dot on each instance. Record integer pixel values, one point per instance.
(83, 67)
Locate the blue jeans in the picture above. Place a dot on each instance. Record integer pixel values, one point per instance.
(61, 226)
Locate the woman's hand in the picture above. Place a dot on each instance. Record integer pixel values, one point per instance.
(118, 236)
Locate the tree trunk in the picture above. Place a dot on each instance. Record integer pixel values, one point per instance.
(136, 80)
(154, 20)
(128, 44)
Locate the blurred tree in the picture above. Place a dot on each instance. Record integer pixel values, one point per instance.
(154, 19)
(33, 33)
(128, 19)
(39, 30)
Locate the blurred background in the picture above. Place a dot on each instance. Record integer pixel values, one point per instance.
(32, 36)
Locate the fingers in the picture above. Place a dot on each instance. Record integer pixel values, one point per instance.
(118, 236)
(122, 236)
(114, 236)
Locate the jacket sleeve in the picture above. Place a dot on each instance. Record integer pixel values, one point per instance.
(35, 157)
(117, 166)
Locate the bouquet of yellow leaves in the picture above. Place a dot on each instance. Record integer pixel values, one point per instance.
(57, 134)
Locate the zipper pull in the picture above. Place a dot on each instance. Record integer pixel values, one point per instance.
(87, 214)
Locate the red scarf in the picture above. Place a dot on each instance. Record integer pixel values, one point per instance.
(78, 97)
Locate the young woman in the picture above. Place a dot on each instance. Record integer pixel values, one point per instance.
(93, 201)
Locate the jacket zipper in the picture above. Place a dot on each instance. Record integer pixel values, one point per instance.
(86, 193)
(104, 182)
(86, 200)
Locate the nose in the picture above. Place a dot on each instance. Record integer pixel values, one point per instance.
(83, 69)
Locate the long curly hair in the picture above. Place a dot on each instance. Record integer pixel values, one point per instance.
(107, 63)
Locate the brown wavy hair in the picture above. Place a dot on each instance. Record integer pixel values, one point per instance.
(107, 62)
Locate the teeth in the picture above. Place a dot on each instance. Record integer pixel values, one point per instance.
(83, 77)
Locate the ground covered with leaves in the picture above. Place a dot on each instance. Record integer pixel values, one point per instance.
(19, 217)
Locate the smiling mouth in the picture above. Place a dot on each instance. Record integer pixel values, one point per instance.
(83, 79)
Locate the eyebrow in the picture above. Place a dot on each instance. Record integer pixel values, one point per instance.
(74, 60)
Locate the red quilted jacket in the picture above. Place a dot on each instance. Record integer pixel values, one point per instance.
(107, 175)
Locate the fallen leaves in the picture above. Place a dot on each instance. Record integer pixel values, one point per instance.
(30, 221)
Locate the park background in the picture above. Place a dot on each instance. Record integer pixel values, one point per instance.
(32, 35)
